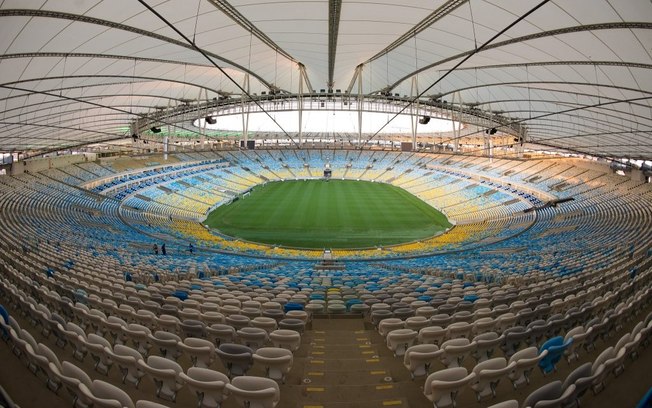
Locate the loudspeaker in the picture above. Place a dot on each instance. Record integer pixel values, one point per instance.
(493, 131)
(211, 120)
(424, 120)
(155, 129)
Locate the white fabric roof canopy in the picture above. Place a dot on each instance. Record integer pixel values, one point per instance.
(576, 73)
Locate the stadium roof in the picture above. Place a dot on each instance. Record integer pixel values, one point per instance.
(575, 72)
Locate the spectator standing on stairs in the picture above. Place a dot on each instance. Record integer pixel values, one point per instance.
(163, 250)
(155, 248)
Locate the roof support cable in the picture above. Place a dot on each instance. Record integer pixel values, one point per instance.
(275, 67)
(462, 61)
(63, 75)
(226, 74)
(387, 68)
(597, 84)
(475, 40)
(194, 33)
(529, 96)
(131, 87)
(416, 53)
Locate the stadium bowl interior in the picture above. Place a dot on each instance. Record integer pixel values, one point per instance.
(462, 216)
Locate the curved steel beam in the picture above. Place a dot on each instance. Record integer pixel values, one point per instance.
(544, 82)
(595, 134)
(441, 12)
(566, 111)
(552, 101)
(617, 114)
(552, 63)
(51, 126)
(144, 78)
(334, 11)
(118, 26)
(43, 132)
(543, 34)
(587, 149)
(231, 12)
(582, 94)
(93, 55)
(90, 118)
(40, 106)
(575, 148)
(140, 115)
(110, 121)
(38, 141)
(566, 119)
(88, 86)
(49, 149)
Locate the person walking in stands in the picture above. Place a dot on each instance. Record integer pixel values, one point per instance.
(190, 248)
(163, 250)
(155, 249)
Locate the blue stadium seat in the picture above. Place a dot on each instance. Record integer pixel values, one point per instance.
(646, 401)
(5, 317)
(292, 306)
(556, 348)
(352, 302)
(183, 295)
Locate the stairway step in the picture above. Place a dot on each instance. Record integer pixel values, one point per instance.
(320, 377)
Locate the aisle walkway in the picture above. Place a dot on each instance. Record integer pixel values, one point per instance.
(347, 365)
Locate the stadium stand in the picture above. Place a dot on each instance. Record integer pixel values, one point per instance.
(521, 292)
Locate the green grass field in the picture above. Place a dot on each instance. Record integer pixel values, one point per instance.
(333, 214)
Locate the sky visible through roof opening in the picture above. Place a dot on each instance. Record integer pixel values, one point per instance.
(328, 122)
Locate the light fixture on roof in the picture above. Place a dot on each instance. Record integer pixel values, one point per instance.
(155, 129)
(424, 120)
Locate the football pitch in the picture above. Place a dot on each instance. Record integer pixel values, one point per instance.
(328, 214)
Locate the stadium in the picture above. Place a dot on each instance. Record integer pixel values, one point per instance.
(325, 204)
